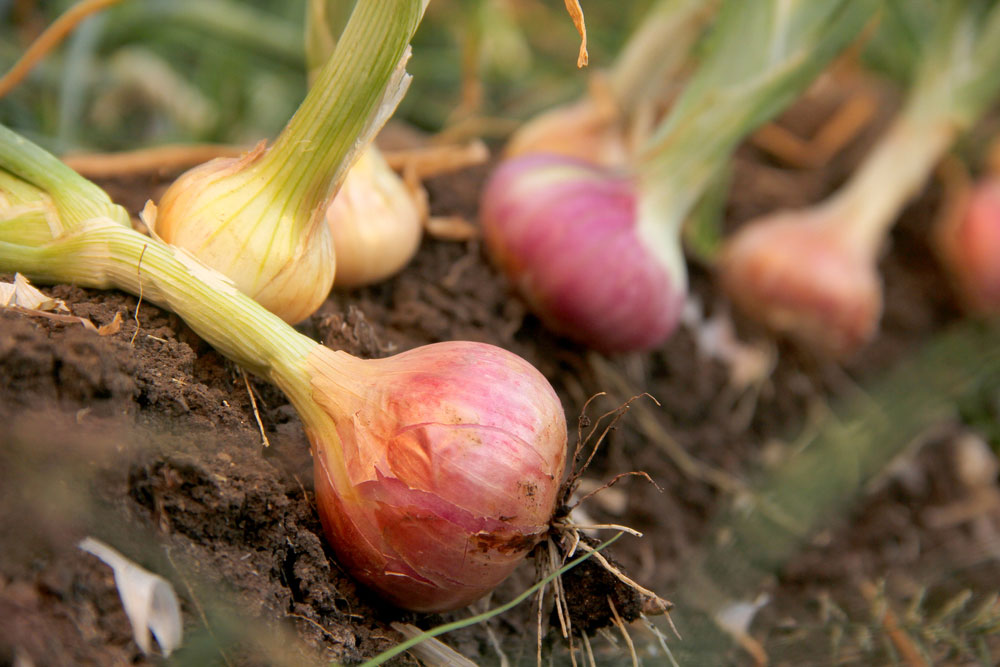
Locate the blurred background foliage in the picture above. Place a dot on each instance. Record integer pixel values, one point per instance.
(147, 72)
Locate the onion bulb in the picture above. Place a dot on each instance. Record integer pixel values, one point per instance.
(374, 221)
(970, 247)
(442, 471)
(568, 233)
(797, 273)
(224, 213)
(812, 274)
(259, 219)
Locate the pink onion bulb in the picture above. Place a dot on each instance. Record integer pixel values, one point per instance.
(797, 273)
(568, 236)
(449, 461)
(812, 274)
(970, 247)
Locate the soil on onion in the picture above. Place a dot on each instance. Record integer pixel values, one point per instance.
(148, 439)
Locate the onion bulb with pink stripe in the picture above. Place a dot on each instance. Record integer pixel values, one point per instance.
(567, 234)
(442, 470)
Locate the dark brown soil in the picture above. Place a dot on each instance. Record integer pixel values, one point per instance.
(148, 439)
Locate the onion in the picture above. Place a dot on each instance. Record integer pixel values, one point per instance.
(812, 274)
(259, 219)
(437, 470)
(555, 224)
(446, 471)
(374, 221)
(799, 274)
(217, 212)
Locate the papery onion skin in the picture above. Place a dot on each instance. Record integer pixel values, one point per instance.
(566, 234)
(583, 130)
(970, 248)
(454, 453)
(374, 222)
(798, 277)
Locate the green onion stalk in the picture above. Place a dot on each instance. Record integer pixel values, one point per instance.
(436, 470)
(375, 221)
(259, 218)
(606, 123)
(812, 274)
(596, 251)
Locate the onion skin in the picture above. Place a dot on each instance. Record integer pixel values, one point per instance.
(443, 469)
(970, 248)
(584, 130)
(374, 222)
(800, 277)
(566, 234)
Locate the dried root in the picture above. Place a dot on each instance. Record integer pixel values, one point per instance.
(596, 594)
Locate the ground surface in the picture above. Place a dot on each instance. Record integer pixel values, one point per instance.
(148, 440)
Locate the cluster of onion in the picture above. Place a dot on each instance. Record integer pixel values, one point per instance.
(587, 228)
(273, 221)
(437, 469)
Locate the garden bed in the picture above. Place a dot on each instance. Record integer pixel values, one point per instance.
(149, 440)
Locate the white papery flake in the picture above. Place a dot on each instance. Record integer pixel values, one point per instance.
(736, 617)
(149, 599)
(22, 293)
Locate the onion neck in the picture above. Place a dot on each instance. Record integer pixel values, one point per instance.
(75, 198)
(865, 208)
(103, 255)
(678, 166)
(344, 108)
(761, 55)
(644, 69)
(955, 81)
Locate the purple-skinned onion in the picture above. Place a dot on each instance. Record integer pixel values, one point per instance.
(568, 235)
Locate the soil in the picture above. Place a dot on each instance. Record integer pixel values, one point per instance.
(148, 439)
